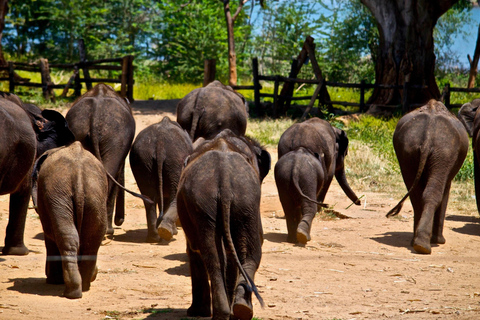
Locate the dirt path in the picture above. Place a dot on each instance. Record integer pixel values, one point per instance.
(358, 268)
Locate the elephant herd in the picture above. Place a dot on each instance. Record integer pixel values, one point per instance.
(201, 173)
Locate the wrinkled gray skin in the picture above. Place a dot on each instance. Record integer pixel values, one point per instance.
(300, 176)
(157, 159)
(431, 145)
(219, 209)
(205, 112)
(25, 132)
(331, 145)
(71, 187)
(469, 115)
(103, 122)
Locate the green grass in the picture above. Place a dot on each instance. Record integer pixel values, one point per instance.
(268, 131)
(145, 90)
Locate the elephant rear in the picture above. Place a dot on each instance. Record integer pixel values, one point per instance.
(300, 177)
(71, 197)
(218, 204)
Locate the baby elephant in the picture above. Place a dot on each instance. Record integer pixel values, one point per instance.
(157, 158)
(219, 208)
(70, 191)
(296, 173)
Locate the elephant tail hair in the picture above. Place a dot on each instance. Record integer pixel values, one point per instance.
(144, 198)
(421, 166)
(229, 244)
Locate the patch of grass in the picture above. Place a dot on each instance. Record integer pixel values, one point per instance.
(161, 90)
(268, 131)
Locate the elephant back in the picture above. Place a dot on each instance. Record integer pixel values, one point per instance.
(205, 112)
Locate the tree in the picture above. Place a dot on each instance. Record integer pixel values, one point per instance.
(230, 20)
(406, 47)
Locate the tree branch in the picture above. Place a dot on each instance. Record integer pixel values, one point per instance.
(240, 6)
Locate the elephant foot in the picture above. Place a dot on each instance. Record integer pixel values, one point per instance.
(166, 231)
(438, 239)
(119, 222)
(242, 306)
(73, 293)
(109, 231)
(202, 311)
(15, 251)
(292, 238)
(153, 238)
(423, 248)
(242, 311)
(303, 234)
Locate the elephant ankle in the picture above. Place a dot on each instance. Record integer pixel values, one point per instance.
(153, 238)
(199, 311)
(166, 230)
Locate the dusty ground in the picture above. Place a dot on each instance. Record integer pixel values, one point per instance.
(358, 268)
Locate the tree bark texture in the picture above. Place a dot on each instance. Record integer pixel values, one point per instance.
(406, 49)
(232, 57)
(474, 63)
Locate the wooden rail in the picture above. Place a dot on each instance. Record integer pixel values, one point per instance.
(125, 66)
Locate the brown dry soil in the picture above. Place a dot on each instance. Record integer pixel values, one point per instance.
(357, 268)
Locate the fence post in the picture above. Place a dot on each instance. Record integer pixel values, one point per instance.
(11, 77)
(83, 59)
(275, 97)
(48, 93)
(362, 96)
(130, 78)
(256, 85)
(405, 105)
(447, 95)
(78, 84)
(209, 71)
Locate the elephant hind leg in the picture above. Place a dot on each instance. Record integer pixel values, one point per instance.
(71, 274)
(53, 266)
(201, 300)
(439, 219)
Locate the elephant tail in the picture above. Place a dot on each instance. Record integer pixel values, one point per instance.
(197, 113)
(229, 244)
(421, 166)
(160, 190)
(295, 178)
(144, 198)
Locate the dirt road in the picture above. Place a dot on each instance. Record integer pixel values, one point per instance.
(358, 268)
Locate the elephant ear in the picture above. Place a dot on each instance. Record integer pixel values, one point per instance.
(53, 131)
(466, 114)
(342, 141)
(264, 163)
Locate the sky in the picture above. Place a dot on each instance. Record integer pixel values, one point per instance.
(467, 46)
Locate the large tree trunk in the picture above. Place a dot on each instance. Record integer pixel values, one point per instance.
(406, 48)
(232, 57)
(474, 62)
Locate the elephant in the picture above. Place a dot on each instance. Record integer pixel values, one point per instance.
(468, 115)
(205, 112)
(329, 145)
(25, 133)
(431, 145)
(300, 176)
(219, 210)
(156, 160)
(70, 190)
(103, 122)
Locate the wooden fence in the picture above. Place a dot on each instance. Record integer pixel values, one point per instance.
(125, 65)
(280, 103)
